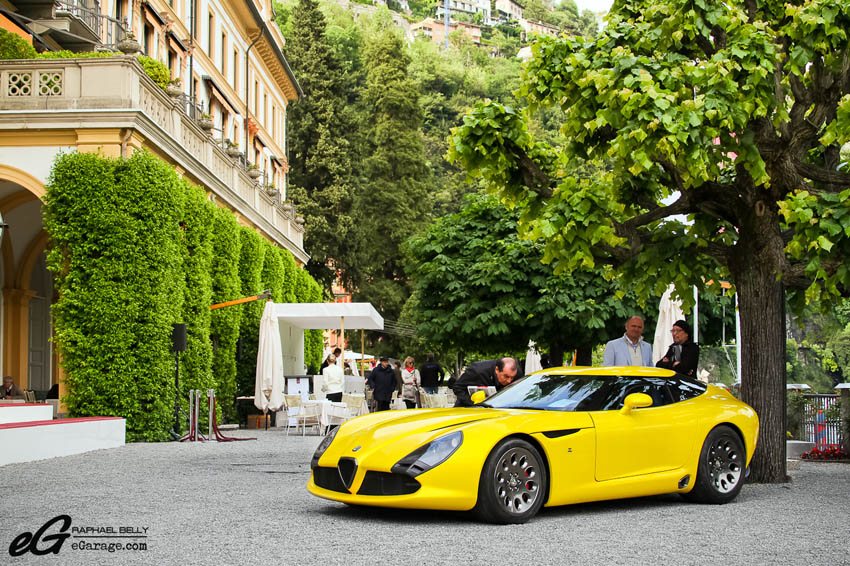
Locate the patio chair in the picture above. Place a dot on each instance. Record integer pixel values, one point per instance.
(353, 403)
(303, 414)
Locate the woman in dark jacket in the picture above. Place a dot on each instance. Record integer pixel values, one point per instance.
(683, 354)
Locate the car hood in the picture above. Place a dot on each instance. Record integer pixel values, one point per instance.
(394, 434)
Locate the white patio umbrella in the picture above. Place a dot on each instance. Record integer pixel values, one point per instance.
(532, 359)
(669, 311)
(268, 387)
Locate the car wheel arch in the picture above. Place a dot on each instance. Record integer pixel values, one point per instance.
(735, 428)
(537, 446)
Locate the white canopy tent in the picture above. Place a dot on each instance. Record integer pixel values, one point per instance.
(294, 318)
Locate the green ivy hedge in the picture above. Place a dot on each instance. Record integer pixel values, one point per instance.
(115, 257)
(250, 268)
(135, 249)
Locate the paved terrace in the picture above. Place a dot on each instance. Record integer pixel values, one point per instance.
(245, 503)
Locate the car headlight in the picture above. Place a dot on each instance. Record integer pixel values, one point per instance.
(429, 455)
(323, 445)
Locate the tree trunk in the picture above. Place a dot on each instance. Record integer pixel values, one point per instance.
(556, 354)
(761, 300)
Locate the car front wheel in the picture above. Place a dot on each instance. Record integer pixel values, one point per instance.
(513, 483)
(720, 474)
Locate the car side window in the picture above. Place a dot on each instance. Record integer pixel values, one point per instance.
(683, 388)
(655, 388)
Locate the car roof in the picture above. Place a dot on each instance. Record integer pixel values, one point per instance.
(610, 371)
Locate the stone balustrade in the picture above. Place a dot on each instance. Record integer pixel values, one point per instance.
(115, 93)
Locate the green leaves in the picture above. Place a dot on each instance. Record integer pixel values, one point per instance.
(135, 249)
(475, 277)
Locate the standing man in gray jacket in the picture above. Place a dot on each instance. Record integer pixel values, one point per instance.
(630, 349)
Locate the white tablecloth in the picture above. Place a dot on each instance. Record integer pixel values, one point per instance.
(326, 410)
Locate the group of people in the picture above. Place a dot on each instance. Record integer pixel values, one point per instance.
(405, 379)
(631, 350)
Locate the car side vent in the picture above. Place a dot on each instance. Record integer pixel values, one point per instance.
(683, 483)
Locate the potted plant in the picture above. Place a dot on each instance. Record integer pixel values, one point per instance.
(174, 89)
(232, 149)
(205, 122)
(254, 171)
(271, 190)
(129, 45)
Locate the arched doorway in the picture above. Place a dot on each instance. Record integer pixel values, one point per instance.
(27, 285)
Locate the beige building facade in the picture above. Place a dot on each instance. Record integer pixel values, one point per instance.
(223, 127)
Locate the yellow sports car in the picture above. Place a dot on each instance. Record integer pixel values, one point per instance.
(555, 437)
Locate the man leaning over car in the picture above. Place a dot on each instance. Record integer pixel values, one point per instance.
(496, 373)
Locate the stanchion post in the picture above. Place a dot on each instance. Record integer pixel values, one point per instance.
(211, 400)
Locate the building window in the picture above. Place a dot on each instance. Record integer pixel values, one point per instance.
(224, 54)
(257, 99)
(147, 39)
(236, 70)
(211, 36)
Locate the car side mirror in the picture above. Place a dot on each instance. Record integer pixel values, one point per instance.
(634, 401)
(478, 397)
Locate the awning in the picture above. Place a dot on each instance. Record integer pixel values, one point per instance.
(323, 316)
(218, 93)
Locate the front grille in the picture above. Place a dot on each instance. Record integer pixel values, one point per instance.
(347, 470)
(384, 483)
(328, 478)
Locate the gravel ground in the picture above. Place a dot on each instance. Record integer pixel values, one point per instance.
(246, 503)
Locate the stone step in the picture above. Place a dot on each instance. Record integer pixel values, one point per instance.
(40, 440)
(25, 412)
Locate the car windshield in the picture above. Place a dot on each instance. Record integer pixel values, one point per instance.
(582, 392)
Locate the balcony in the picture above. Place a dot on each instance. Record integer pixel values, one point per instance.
(115, 93)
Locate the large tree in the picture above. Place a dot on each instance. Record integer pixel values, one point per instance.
(480, 287)
(319, 130)
(395, 196)
(731, 113)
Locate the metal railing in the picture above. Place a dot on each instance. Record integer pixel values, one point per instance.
(821, 422)
(88, 12)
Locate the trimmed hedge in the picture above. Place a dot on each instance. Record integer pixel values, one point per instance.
(197, 253)
(250, 268)
(135, 249)
(224, 330)
(116, 264)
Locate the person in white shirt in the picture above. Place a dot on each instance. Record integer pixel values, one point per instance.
(630, 349)
(334, 378)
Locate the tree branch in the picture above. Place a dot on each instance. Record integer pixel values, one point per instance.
(832, 181)
(534, 178)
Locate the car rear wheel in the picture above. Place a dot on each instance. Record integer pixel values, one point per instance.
(720, 474)
(513, 483)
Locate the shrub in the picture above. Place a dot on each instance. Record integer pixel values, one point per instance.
(13, 46)
(224, 328)
(135, 249)
(156, 70)
(250, 269)
(65, 54)
(114, 254)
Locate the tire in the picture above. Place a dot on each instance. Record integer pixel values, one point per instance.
(514, 483)
(722, 463)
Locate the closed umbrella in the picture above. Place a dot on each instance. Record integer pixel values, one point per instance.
(268, 387)
(669, 311)
(532, 359)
